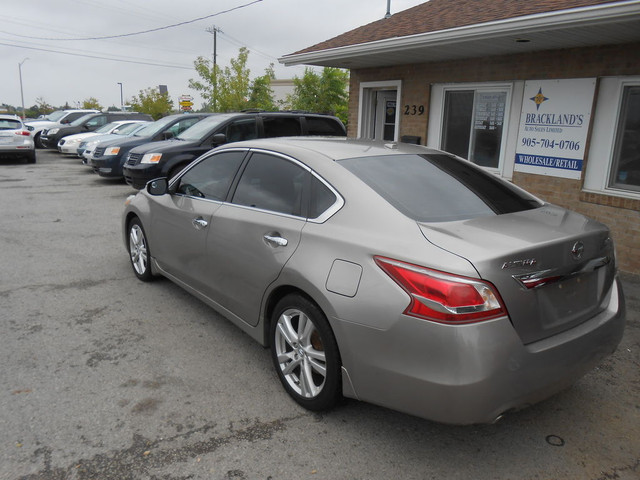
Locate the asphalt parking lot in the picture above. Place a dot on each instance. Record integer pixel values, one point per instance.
(104, 377)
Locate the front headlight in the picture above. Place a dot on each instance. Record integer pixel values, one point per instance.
(72, 141)
(151, 158)
(112, 151)
(53, 131)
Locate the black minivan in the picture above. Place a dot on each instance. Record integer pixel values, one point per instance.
(165, 159)
(87, 123)
(109, 156)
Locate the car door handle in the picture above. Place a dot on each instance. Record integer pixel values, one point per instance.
(200, 223)
(276, 241)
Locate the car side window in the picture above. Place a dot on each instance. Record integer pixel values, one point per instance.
(72, 116)
(324, 126)
(211, 177)
(321, 198)
(97, 121)
(179, 127)
(244, 129)
(272, 183)
(281, 127)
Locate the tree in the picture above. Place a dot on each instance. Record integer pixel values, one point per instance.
(207, 83)
(230, 89)
(92, 103)
(233, 84)
(261, 96)
(42, 107)
(322, 93)
(153, 102)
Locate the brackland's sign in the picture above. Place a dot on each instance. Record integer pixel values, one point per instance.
(553, 126)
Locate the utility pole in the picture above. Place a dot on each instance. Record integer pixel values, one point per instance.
(121, 97)
(21, 91)
(214, 30)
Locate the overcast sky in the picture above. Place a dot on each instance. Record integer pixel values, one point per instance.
(74, 69)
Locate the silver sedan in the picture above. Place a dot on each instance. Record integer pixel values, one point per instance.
(389, 273)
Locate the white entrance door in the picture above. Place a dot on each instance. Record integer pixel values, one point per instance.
(385, 118)
(378, 115)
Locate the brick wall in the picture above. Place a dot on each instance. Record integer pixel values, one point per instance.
(622, 215)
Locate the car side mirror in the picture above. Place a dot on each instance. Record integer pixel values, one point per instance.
(218, 139)
(167, 135)
(158, 186)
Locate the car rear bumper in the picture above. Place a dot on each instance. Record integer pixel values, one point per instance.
(471, 373)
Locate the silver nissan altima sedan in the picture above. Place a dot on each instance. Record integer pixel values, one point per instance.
(389, 273)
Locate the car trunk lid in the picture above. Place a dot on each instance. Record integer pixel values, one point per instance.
(553, 268)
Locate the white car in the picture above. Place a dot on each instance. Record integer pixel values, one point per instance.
(59, 117)
(86, 147)
(71, 143)
(15, 141)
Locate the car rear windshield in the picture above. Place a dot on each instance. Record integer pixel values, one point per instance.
(10, 124)
(438, 187)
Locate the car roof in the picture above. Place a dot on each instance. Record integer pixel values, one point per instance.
(335, 148)
(9, 116)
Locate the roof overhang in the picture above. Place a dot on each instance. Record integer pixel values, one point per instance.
(605, 24)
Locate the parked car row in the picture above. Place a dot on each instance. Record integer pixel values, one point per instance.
(71, 143)
(54, 119)
(166, 146)
(49, 137)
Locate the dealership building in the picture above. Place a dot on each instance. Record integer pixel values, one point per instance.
(545, 94)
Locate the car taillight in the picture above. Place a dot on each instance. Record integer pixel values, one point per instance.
(443, 297)
(22, 132)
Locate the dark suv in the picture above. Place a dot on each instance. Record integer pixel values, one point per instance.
(165, 159)
(87, 123)
(108, 157)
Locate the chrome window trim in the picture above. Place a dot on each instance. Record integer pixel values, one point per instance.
(328, 213)
(334, 208)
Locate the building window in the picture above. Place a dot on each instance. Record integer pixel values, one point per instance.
(473, 125)
(472, 120)
(625, 166)
(613, 164)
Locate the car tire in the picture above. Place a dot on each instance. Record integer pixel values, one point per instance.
(31, 158)
(37, 141)
(139, 253)
(305, 353)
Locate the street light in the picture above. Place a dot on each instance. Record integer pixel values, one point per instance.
(21, 91)
(121, 98)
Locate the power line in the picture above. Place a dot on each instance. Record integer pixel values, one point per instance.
(141, 32)
(137, 62)
(239, 43)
